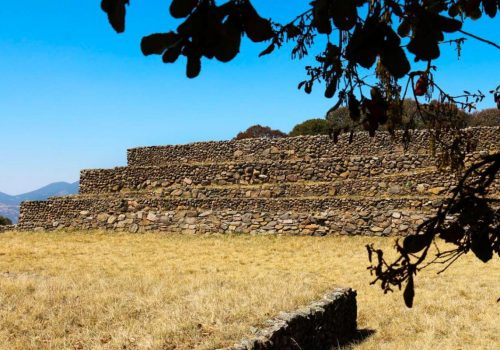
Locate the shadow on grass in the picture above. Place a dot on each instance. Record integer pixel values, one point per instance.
(357, 338)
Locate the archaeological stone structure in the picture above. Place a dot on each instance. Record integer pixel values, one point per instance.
(322, 325)
(299, 185)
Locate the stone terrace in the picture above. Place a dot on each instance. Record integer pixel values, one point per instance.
(300, 185)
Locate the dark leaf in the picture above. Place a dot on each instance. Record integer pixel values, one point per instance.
(368, 248)
(365, 43)
(172, 54)
(301, 84)
(404, 28)
(229, 42)
(415, 243)
(344, 13)
(394, 60)
(158, 43)
(448, 25)
(321, 18)
(182, 8)
(409, 292)
(490, 7)
(268, 50)
(308, 87)
(116, 12)
(452, 234)
(193, 67)
(454, 10)
(424, 45)
(331, 87)
(257, 28)
(481, 246)
(354, 107)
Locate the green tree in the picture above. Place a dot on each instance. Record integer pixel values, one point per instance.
(311, 127)
(5, 221)
(486, 117)
(256, 131)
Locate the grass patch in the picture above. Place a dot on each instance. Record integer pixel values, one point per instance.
(158, 291)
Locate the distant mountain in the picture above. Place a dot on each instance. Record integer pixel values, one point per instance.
(9, 205)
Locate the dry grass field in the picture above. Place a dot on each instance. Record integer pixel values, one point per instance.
(157, 291)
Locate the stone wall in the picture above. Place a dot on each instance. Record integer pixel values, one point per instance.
(283, 186)
(223, 215)
(320, 326)
(431, 182)
(304, 147)
(324, 169)
(5, 228)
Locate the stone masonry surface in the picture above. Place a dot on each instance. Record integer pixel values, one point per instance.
(304, 147)
(300, 185)
(319, 326)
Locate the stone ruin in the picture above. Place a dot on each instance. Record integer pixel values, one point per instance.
(299, 185)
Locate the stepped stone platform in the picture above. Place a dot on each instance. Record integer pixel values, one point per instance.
(297, 185)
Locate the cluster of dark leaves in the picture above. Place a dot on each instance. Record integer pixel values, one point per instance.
(208, 30)
(5, 221)
(213, 29)
(259, 131)
(470, 220)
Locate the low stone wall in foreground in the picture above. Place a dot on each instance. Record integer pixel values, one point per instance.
(319, 326)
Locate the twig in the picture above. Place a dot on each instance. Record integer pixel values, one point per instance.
(480, 39)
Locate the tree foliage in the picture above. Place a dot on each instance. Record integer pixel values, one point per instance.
(5, 221)
(311, 127)
(259, 131)
(486, 117)
(398, 42)
(351, 35)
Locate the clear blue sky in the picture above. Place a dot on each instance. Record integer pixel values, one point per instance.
(73, 94)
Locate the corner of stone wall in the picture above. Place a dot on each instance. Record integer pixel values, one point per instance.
(319, 326)
(6, 228)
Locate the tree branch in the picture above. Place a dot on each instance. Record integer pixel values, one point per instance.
(480, 39)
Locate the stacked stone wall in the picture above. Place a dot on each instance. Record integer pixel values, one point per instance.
(222, 215)
(304, 185)
(430, 182)
(323, 169)
(302, 147)
(323, 325)
(5, 228)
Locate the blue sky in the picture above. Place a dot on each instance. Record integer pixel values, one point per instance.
(74, 95)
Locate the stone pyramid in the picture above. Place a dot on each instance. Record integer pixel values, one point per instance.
(299, 185)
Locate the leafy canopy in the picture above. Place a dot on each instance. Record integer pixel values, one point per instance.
(385, 35)
(5, 221)
(256, 131)
(311, 127)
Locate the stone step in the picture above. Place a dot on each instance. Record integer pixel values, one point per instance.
(308, 216)
(304, 147)
(243, 173)
(426, 182)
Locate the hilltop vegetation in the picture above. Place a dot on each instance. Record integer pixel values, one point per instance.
(5, 221)
(412, 117)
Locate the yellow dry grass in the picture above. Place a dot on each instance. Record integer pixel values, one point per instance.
(157, 291)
